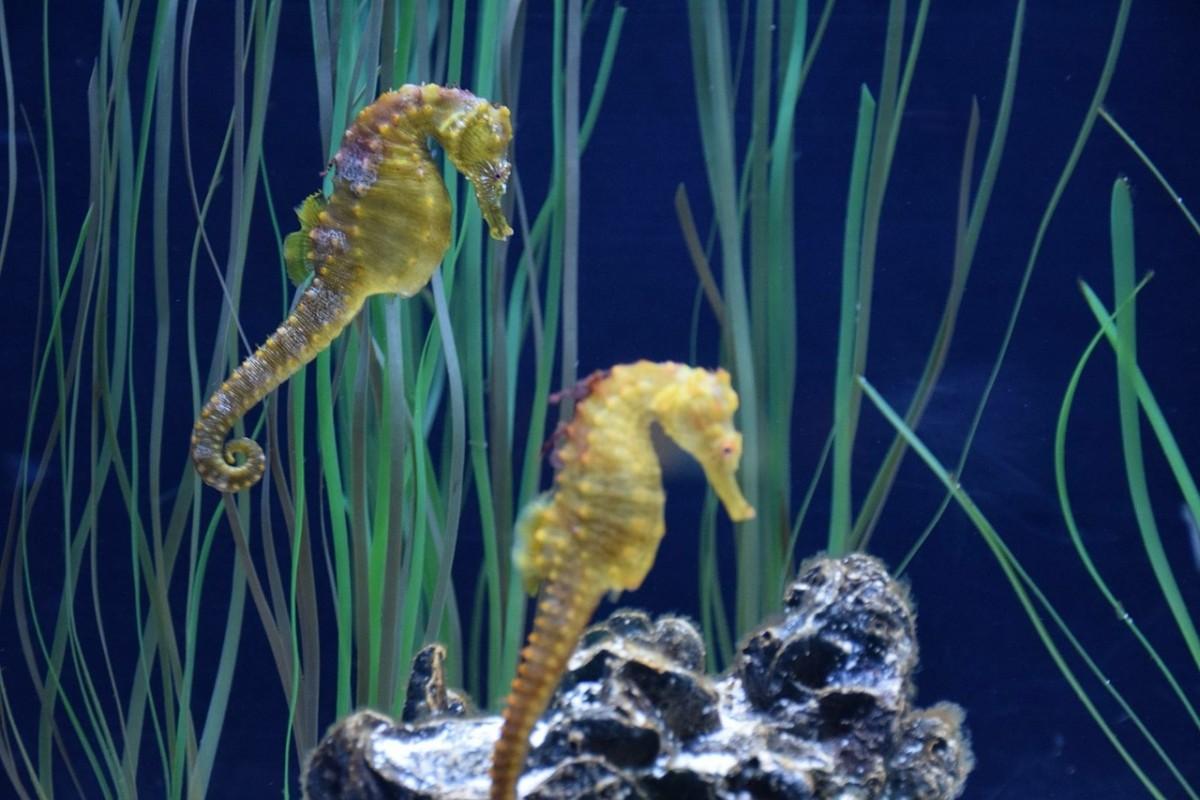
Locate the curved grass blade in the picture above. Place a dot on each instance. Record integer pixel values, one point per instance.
(1085, 558)
(1029, 596)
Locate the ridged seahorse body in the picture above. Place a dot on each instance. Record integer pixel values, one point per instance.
(599, 528)
(383, 229)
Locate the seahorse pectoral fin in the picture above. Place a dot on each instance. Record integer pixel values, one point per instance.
(527, 550)
(295, 257)
(297, 246)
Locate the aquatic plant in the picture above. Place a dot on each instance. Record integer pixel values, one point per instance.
(752, 187)
(132, 626)
(342, 554)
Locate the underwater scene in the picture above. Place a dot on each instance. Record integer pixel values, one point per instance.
(590, 399)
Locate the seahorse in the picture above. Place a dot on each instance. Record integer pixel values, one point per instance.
(597, 531)
(383, 229)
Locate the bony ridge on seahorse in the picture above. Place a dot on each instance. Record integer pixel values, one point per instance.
(598, 530)
(383, 229)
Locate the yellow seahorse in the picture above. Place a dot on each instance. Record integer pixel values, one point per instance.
(598, 530)
(384, 228)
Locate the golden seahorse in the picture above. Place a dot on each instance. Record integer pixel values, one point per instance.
(384, 228)
(598, 530)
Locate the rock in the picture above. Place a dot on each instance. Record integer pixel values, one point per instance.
(427, 695)
(818, 704)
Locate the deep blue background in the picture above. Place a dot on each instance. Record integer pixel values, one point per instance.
(1032, 737)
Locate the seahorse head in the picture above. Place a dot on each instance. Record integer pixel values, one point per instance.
(477, 143)
(696, 410)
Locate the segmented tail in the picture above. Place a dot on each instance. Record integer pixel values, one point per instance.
(231, 466)
(564, 608)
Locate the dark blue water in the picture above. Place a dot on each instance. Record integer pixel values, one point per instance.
(1032, 736)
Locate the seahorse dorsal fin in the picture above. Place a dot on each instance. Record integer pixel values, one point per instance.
(296, 245)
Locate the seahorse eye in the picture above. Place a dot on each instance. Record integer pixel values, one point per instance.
(500, 172)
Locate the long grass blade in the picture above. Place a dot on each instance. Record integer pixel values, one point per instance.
(843, 440)
(1102, 84)
(1028, 594)
(11, 116)
(968, 227)
(1150, 165)
(1152, 543)
(1085, 558)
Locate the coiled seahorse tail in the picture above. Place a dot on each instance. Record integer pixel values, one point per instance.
(383, 229)
(321, 313)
